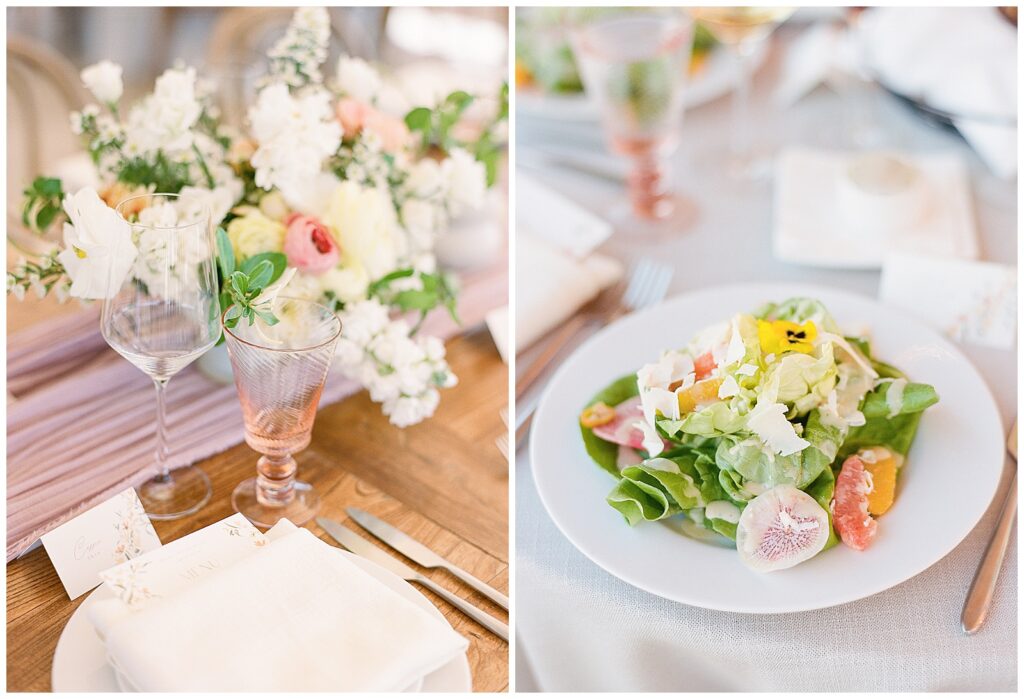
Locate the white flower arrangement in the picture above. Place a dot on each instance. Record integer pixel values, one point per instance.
(343, 192)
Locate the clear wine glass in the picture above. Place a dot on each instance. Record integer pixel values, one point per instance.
(279, 373)
(634, 65)
(742, 30)
(161, 317)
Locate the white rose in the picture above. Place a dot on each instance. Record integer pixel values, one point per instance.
(358, 79)
(103, 80)
(98, 246)
(347, 284)
(466, 180)
(363, 223)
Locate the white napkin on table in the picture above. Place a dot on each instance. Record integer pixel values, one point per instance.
(294, 615)
(551, 285)
(959, 59)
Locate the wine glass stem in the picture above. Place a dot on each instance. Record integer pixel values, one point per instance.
(163, 474)
(648, 186)
(741, 136)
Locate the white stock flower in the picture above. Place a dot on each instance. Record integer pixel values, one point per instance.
(296, 57)
(358, 79)
(400, 372)
(98, 246)
(295, 135)
(421, 220)
(192, 201)
(164, 119)
(103, 80)
(426, 179)
(466, 180)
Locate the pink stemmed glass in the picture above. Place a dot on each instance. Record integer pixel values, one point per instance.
(279, 373)
(634, 65)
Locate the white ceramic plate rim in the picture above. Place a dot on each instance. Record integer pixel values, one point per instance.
(455, 676)
(552, 417)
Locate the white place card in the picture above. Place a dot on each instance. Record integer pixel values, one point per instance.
(164, 571)
(106, 535)
(973, 302)
(558, 221)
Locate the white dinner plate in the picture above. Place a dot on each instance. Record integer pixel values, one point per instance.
(80, 661)
(949, 479)
(716, 78)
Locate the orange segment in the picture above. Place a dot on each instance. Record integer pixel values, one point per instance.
(698, 395)
(883, 465)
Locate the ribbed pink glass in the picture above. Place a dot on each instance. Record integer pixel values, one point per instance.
(279, 373)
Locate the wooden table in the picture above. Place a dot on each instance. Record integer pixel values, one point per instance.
(442, 481)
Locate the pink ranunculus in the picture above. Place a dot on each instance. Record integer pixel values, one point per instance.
(309, 245)
(355, 116)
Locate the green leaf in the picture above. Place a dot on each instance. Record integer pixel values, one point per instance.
(260, 275)
(240, 283)
(278, 261)
(225, 254)
(268, 317)
(418, 119)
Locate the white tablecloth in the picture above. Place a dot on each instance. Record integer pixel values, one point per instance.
(581, 629)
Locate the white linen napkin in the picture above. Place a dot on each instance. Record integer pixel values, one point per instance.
(293, 615)
(551, 285)
(959, 59)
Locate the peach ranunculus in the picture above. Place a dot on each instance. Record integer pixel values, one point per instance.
(309, 245)
(117, 192)
(355, 116)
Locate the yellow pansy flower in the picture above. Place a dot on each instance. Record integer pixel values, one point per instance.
(778, 336)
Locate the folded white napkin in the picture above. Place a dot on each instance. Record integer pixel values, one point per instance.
(293, 615)
(551, 285)
(959, 59)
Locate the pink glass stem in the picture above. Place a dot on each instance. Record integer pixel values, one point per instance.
(275, 482)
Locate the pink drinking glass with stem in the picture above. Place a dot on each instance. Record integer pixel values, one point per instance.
(634, 65)
(279, 372)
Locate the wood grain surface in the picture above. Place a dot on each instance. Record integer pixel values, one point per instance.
(443, 481)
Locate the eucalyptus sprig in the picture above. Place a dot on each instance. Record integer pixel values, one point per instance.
(242, 287)
(430, 291)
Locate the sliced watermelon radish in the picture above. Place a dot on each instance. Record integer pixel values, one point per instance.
(622, 429)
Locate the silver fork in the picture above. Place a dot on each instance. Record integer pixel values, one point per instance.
(647, 285)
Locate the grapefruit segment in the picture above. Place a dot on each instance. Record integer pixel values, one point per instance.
(854, 523)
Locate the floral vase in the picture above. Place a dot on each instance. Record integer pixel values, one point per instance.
(472, 241)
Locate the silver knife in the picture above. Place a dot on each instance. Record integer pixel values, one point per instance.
(414, 550)
(361, 547)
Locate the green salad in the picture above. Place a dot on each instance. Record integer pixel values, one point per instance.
(773, 429)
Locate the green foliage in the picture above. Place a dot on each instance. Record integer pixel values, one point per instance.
(42, 203)
(242, 287)
(434, 125)
(435, 290)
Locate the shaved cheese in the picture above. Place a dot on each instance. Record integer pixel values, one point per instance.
(768, 421)
(894, 396)
(737, 350)
(652, 440)
(729, 388)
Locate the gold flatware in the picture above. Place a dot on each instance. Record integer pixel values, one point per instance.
(979, 597)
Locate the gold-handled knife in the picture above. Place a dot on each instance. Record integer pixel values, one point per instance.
(361, 547)
(415, 551)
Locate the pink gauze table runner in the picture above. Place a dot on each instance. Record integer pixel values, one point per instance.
(81, 426)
